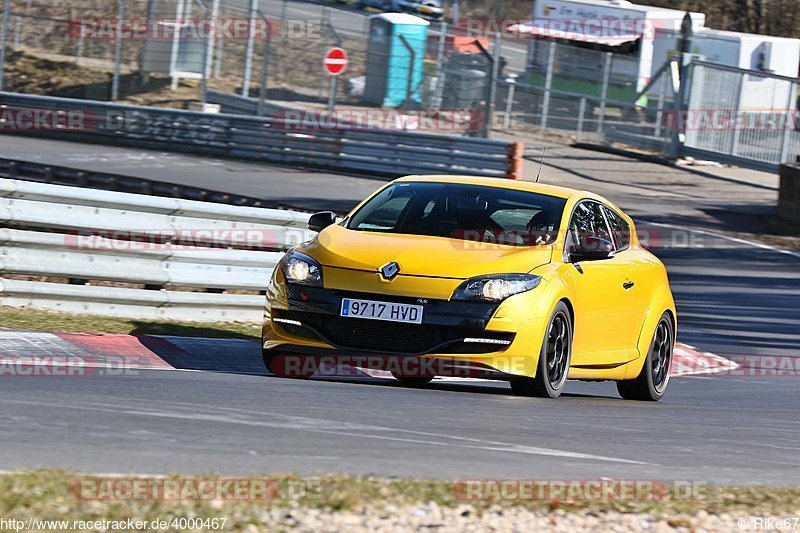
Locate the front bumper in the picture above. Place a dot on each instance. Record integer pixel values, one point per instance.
(447, 327)
(305, 320)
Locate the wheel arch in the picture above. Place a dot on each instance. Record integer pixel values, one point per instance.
(571, 310)
(662, 302)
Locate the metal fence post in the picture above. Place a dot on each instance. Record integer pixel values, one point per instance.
(604, 91)
(335, 79)
(410, 81)
(497, 51)
(581, 115)
(262, 91)
(686, 72)
(208, 51)
(511, 80)
(548, 83)
(326, 26)
(436, 101)
(248, 52)
(488, 107)
(332, 94)
(662, 94)
(218, 57)
(79, 49)
(3, 38)
(118, 50)
(176, 43)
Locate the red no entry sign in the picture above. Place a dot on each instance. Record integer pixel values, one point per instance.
(335, 61)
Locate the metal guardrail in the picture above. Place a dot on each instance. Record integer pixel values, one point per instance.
(242, 105)
(185, 253)
(383, 153)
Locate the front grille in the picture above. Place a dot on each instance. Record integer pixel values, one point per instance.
(392, 337)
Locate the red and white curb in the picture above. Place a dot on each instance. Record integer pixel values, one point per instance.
(29, 349)
(689, 361)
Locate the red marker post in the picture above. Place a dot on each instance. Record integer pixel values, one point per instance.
(334, 63)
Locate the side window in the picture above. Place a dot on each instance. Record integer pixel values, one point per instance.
(619, 228)
(587, 221)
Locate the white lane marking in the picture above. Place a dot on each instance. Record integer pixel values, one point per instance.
(330, 427)
(725, 237)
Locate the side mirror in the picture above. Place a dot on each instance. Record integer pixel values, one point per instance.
(592, 249)
(320, 221)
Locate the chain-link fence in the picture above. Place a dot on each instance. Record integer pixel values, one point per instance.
(589, 94)
(54, 28)
(274, 51)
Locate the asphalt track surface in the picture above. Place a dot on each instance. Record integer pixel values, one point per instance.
(733, 298)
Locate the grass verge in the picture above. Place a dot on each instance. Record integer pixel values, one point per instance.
(58, 494)
(37, 320)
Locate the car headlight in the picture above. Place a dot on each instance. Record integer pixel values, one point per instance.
(300, 268)
(495, 288)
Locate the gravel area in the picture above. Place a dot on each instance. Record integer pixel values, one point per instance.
(432, 517)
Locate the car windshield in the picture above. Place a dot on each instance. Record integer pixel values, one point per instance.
(470, 212)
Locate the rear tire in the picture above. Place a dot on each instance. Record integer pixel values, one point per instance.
(651, 383)
(289, 365)
(554, 358)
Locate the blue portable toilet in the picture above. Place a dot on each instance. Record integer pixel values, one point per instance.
(389, 61)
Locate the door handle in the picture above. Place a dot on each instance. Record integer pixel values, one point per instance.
(627, 285)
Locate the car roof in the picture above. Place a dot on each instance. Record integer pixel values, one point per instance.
(541, 188)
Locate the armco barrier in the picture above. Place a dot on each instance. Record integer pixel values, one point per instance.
(185, 253)
(241, 105)
(384, 153)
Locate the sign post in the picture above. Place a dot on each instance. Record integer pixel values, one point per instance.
(334, 63)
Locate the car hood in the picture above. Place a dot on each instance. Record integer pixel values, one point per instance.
(420, 255)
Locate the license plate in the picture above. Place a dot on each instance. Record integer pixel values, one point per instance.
(406, 313)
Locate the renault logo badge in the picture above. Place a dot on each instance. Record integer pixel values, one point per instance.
(390, 270)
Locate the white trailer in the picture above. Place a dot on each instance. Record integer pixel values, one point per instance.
(609, 24)
(759, 53)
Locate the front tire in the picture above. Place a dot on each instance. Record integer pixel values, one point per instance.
(651, 383)
(554, 358)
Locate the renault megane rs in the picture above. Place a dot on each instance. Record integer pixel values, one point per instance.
(530, 283)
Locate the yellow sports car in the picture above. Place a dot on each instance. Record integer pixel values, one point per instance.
(482, 277)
